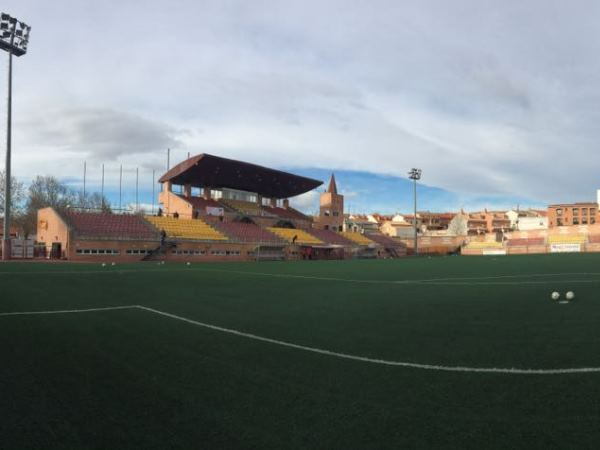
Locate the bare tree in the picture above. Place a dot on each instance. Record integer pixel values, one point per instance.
(17, 194)
(49, 191)
(458, 225)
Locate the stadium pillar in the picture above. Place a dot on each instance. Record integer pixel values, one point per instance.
(187, 190)
(206, 193)
(286, 203)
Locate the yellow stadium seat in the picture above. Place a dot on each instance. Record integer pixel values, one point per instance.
(567, 239)
(302, 237)
(357, 238)
(249, 208)
(186, 228)
(484, 245)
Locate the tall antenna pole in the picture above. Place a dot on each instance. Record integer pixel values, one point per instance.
(120, 184)
(84, 174)
(137, 179)
(168, 158)
(153, 175)
(102, 189)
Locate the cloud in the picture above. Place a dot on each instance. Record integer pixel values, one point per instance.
(307, 202)
(498, 99)
(97, 133)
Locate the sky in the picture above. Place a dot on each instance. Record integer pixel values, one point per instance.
(497, 102)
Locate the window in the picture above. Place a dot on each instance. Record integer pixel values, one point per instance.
(95, 251)
(326, 227)
(326, 213)
(137, 251)
(576, 220)
(584, 211)
(584, 221)
(559, 222)
(335, 214)
(576, 211)
(559, 211)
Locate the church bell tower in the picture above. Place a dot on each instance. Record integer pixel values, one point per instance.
(331, 213)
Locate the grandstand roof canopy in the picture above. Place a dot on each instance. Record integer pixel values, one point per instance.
(206, 170)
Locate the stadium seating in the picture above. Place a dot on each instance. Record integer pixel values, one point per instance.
(518, 242)
(484, 245)
(567, 239)
(284, 213)
(247, 232)
(186, 228)
(357, 238)
(247, 208)
(107, 225)
(330, 237)
(302, 237)
(384, 240)
(201, 203)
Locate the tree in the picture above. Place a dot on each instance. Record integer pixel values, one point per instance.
(45, 191)
(458, 225)
(49, 191)
(17, 194)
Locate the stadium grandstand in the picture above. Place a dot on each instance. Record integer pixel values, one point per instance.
(240, 212)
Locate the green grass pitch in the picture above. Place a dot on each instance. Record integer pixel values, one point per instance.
(132, 378)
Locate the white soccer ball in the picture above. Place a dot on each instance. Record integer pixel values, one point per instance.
(103, 265)
(570, 295)
(555, 295)
(188, 263)
(113, 264)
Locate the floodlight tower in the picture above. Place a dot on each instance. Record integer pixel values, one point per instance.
(415, 174)
(14, 37)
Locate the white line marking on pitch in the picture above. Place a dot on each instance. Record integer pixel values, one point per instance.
(459, 281)
(67, 311)
(466, 281)
(384, 362)
(512, 371)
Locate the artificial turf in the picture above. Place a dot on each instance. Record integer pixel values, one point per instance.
(130, 378)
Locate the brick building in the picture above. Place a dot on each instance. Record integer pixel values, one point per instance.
(567, 214)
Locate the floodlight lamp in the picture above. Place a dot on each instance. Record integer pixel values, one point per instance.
(415, 174)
